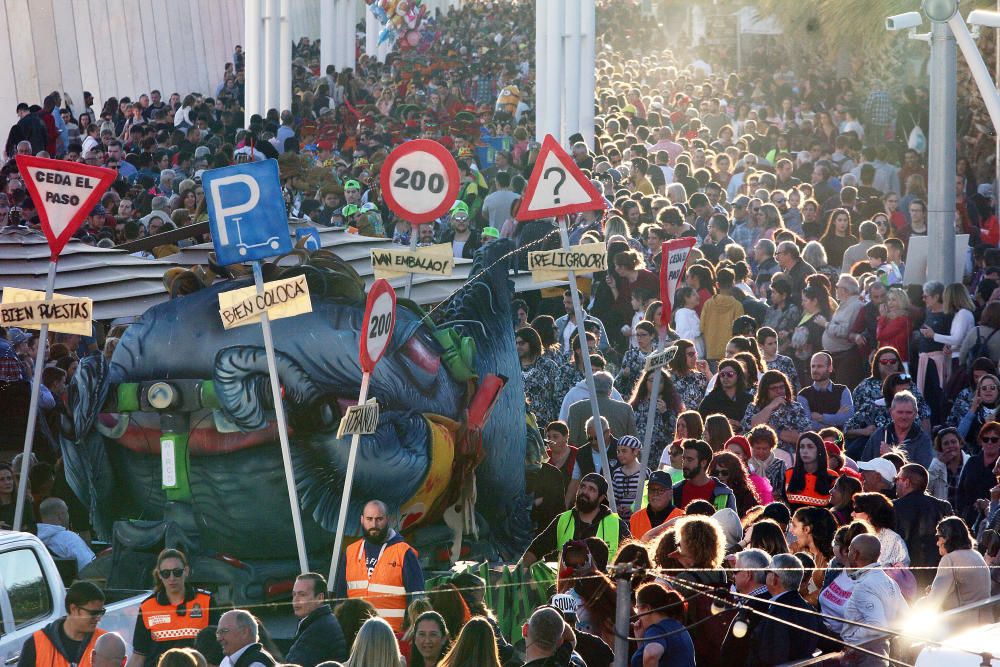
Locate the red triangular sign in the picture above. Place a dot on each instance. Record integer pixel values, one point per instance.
(64, 193)
(557, 186)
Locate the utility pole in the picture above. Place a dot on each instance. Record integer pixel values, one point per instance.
(941, 154)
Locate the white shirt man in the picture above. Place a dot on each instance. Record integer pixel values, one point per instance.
(53, 532)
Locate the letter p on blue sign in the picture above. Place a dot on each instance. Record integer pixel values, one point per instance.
(246, 212)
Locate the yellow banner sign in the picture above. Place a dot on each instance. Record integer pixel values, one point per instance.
(555, 264)
(29, 309)
(280, 298)
(435, 260)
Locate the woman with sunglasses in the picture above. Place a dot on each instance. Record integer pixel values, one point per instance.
(873, 412)
(982, 409)
(174, 614)
(978, 475)
(979, 368)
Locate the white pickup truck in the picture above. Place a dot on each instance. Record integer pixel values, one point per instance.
(32, 594)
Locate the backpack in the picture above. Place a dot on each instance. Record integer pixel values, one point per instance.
(979, 349)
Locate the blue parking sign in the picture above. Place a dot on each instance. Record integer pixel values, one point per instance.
(246, 212)
(311, 235)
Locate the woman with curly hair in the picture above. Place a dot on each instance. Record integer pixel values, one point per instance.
(731, 471)
(701, 547)
(668, 406)
(810, 481)
(775, 405)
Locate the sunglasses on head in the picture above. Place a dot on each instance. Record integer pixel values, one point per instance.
(176, 573)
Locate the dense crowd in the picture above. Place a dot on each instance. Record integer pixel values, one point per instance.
(824, 450)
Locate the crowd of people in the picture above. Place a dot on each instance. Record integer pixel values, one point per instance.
(823, 452)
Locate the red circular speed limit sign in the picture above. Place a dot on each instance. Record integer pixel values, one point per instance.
(380, 320)
(420, 181)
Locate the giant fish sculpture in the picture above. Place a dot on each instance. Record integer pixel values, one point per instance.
(179, 426)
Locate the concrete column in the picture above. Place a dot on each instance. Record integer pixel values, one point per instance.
(253, 49)
(941, 156)
(284, 57)
(541, 73)
(348, 33)
(572, 65)
(556, 67)
(272, 41)
(327, 33)
(372, 30)
(588, 77)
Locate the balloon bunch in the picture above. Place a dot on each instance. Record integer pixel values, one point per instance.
(400, 19)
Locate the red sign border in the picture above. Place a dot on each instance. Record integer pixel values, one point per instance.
(105, 177)
(378, 287)
(668, 247)
(450, 169)
(550, 145)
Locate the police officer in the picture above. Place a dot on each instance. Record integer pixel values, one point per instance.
(174, 614)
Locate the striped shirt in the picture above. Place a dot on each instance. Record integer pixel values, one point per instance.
(626, 486)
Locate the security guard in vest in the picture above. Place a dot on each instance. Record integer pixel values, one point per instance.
(68, 641)
(174, 614)
(660, 508)
(589, 517)
(380, 567)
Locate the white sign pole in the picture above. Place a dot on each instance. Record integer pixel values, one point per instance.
(414, 229)
(36, 385)
(647, 438)
(588, 372)
(345, 499)
(279, 412)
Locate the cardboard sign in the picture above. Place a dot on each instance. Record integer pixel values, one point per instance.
(554, 264)
(359, 420)
(65, 194)
(557, 186)
(659, 359)
(28, 309)
(281, 298)
(676, 253)
(434, 260)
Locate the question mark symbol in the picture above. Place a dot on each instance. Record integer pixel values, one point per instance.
(562, 179)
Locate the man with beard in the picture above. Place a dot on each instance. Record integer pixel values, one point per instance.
(589, 517)
(697, 485)
(380, 567)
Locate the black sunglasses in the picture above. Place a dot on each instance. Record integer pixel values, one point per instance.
(176, 573)
(94, 613)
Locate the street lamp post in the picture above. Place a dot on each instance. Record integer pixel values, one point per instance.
(941, 154)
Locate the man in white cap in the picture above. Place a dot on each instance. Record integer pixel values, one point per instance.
(878, 476)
